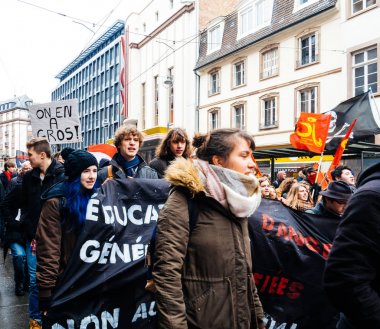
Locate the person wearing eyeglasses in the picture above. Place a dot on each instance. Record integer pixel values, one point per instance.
(334, 200)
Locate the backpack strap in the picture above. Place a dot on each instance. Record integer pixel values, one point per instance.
(109, 172)
(193, 208)
(192, 205)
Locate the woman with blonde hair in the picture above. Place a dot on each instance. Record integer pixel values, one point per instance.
(299, 198)
(285, 186)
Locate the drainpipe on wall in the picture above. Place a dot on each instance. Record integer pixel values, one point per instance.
(197, 98)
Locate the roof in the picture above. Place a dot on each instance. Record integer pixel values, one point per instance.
(353, 150)
(282, 18)
(116, 28)
(16, 102)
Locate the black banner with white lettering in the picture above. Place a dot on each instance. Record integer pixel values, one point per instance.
(103, 285)
(289, 250)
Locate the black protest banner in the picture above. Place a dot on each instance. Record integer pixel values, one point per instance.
(57, 121)
(289, 250)
(103, 285)
(361, 107)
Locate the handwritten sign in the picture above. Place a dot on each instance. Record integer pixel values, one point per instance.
(57, 121)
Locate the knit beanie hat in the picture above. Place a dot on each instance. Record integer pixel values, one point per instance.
(76, 161)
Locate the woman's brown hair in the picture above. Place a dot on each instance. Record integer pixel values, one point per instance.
(219, 142)
(177, 135)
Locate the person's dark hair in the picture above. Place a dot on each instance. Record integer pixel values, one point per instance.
(177, 135)
(308, 170)
(39, 144)
(9, 164)
(75, 207)
(337, 172)
(219, 142)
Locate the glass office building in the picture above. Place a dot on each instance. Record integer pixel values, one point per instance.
(93, 78)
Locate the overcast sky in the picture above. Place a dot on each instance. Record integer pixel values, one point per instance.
(36, 43)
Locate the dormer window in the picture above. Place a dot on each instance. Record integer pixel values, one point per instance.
(300, 4)
(214, 38)
(254, 16)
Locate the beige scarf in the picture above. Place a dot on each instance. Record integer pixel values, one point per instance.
(237, 192)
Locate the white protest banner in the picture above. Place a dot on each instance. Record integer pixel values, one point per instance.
(57, 121)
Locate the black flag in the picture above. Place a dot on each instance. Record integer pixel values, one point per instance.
(360, 107)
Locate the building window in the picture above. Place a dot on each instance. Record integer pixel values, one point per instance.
(307, 99)
(263, 12)
(213, 119)
(214, 84)
(269, 111)
(300, 4)
(214, 38)
(269, 63)
(238, 74)
(246, 21)
(359, 5)
(238, 116)
(364, 70)
(308, 50)
(156, 100)
(254, 16)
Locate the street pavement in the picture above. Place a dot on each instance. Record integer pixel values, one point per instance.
(13, 309)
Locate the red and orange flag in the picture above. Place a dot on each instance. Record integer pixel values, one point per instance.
(339, 151)
(311, 132)
(258, 171)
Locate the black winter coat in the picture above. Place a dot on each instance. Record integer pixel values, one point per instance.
(352, 276)
(13, 227)
(160, 166)
(29, 196)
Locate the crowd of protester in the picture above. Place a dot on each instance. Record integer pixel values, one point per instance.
(43, 209)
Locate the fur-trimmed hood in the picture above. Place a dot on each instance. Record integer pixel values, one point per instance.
(182, 172)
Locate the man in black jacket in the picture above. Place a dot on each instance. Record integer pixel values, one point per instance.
(46, 172)
(352, 276)
(334, 201)
(14, 238)
(126, 162)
